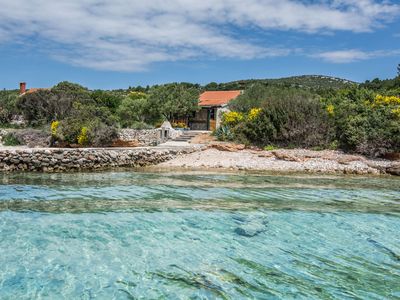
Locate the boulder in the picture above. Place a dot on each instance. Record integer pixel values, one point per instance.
(392, 156)
(283, 155)
(394, 170)
(346, 159)
(230, 147)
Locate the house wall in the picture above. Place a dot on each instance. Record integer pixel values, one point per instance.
(199, 122)
(220, 112)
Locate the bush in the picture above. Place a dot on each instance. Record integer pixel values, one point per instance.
(367, 123)
(223, 133)
(270, 148)
(44, 106)
(88, 125)
(290, 122)
(10, 140)
(103, 135)
(107, 99)
(8, 108)
(133, 109)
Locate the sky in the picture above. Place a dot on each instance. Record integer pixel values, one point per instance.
(120, 43)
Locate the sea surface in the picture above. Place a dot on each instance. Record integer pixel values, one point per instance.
(141, 235)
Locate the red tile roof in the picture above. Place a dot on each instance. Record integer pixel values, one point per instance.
(34, 90)
(217, 98)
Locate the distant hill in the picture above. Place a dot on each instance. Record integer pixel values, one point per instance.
(314, 82)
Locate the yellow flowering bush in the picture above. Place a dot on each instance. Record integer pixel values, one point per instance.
(392, 101)
(386, 100)
(179, 125)
(331, 110)
(232, 118)
(396, 112)
(54, 127)
(253, 113)
(83, 138)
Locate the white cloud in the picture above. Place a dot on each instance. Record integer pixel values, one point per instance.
(128, 35)
(353, 55)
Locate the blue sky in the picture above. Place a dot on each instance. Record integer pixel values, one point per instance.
(121, 43)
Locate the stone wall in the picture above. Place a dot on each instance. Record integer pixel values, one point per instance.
(3, 133)
(29, 137)
(59, 160)
(145, 137)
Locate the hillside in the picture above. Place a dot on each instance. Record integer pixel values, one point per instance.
(315, 82)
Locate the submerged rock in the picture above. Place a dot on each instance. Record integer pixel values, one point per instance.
(249, 230)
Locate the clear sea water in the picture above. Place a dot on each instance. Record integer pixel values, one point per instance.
(138, 235)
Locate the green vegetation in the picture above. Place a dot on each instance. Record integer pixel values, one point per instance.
(8, 101)
(10, 140)
(308, 82)
(318, 112)
(358, 118)
(74, 115)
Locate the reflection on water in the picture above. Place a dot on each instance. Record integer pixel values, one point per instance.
(127, 235)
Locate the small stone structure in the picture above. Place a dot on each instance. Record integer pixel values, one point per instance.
(147, 137)
(59, 160)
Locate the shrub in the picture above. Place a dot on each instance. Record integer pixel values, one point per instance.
(43, 106)
(254, 113)
(232, 118)
(135, 109)
(83, 138)
(289, 122)
(103, 135)
(107, 99)
(10, 140)
(179, 125)
(8, 108)
(367, 123)
(54, 127)
(223, 133)
(270, 148)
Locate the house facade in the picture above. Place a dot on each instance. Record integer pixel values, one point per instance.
(213, 104)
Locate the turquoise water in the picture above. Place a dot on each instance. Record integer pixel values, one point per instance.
(131, 235)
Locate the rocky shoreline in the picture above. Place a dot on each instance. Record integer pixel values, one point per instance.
(195, 157)
(225, 157)
(64, 160)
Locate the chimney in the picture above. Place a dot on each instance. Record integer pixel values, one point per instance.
(22, 88)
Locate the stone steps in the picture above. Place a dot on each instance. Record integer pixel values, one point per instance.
(186, 136)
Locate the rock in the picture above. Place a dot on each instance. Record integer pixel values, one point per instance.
(394, 170)
(230, 147)
(266, 154)
(283, 155)
(346, 159)
(250, 230)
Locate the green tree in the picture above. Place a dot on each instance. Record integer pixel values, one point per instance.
(134, 109)
(8, 100)
(107, 99)
(174, 101)
(363, 126)
(43, 106)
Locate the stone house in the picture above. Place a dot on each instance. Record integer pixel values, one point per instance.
(212, 104)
